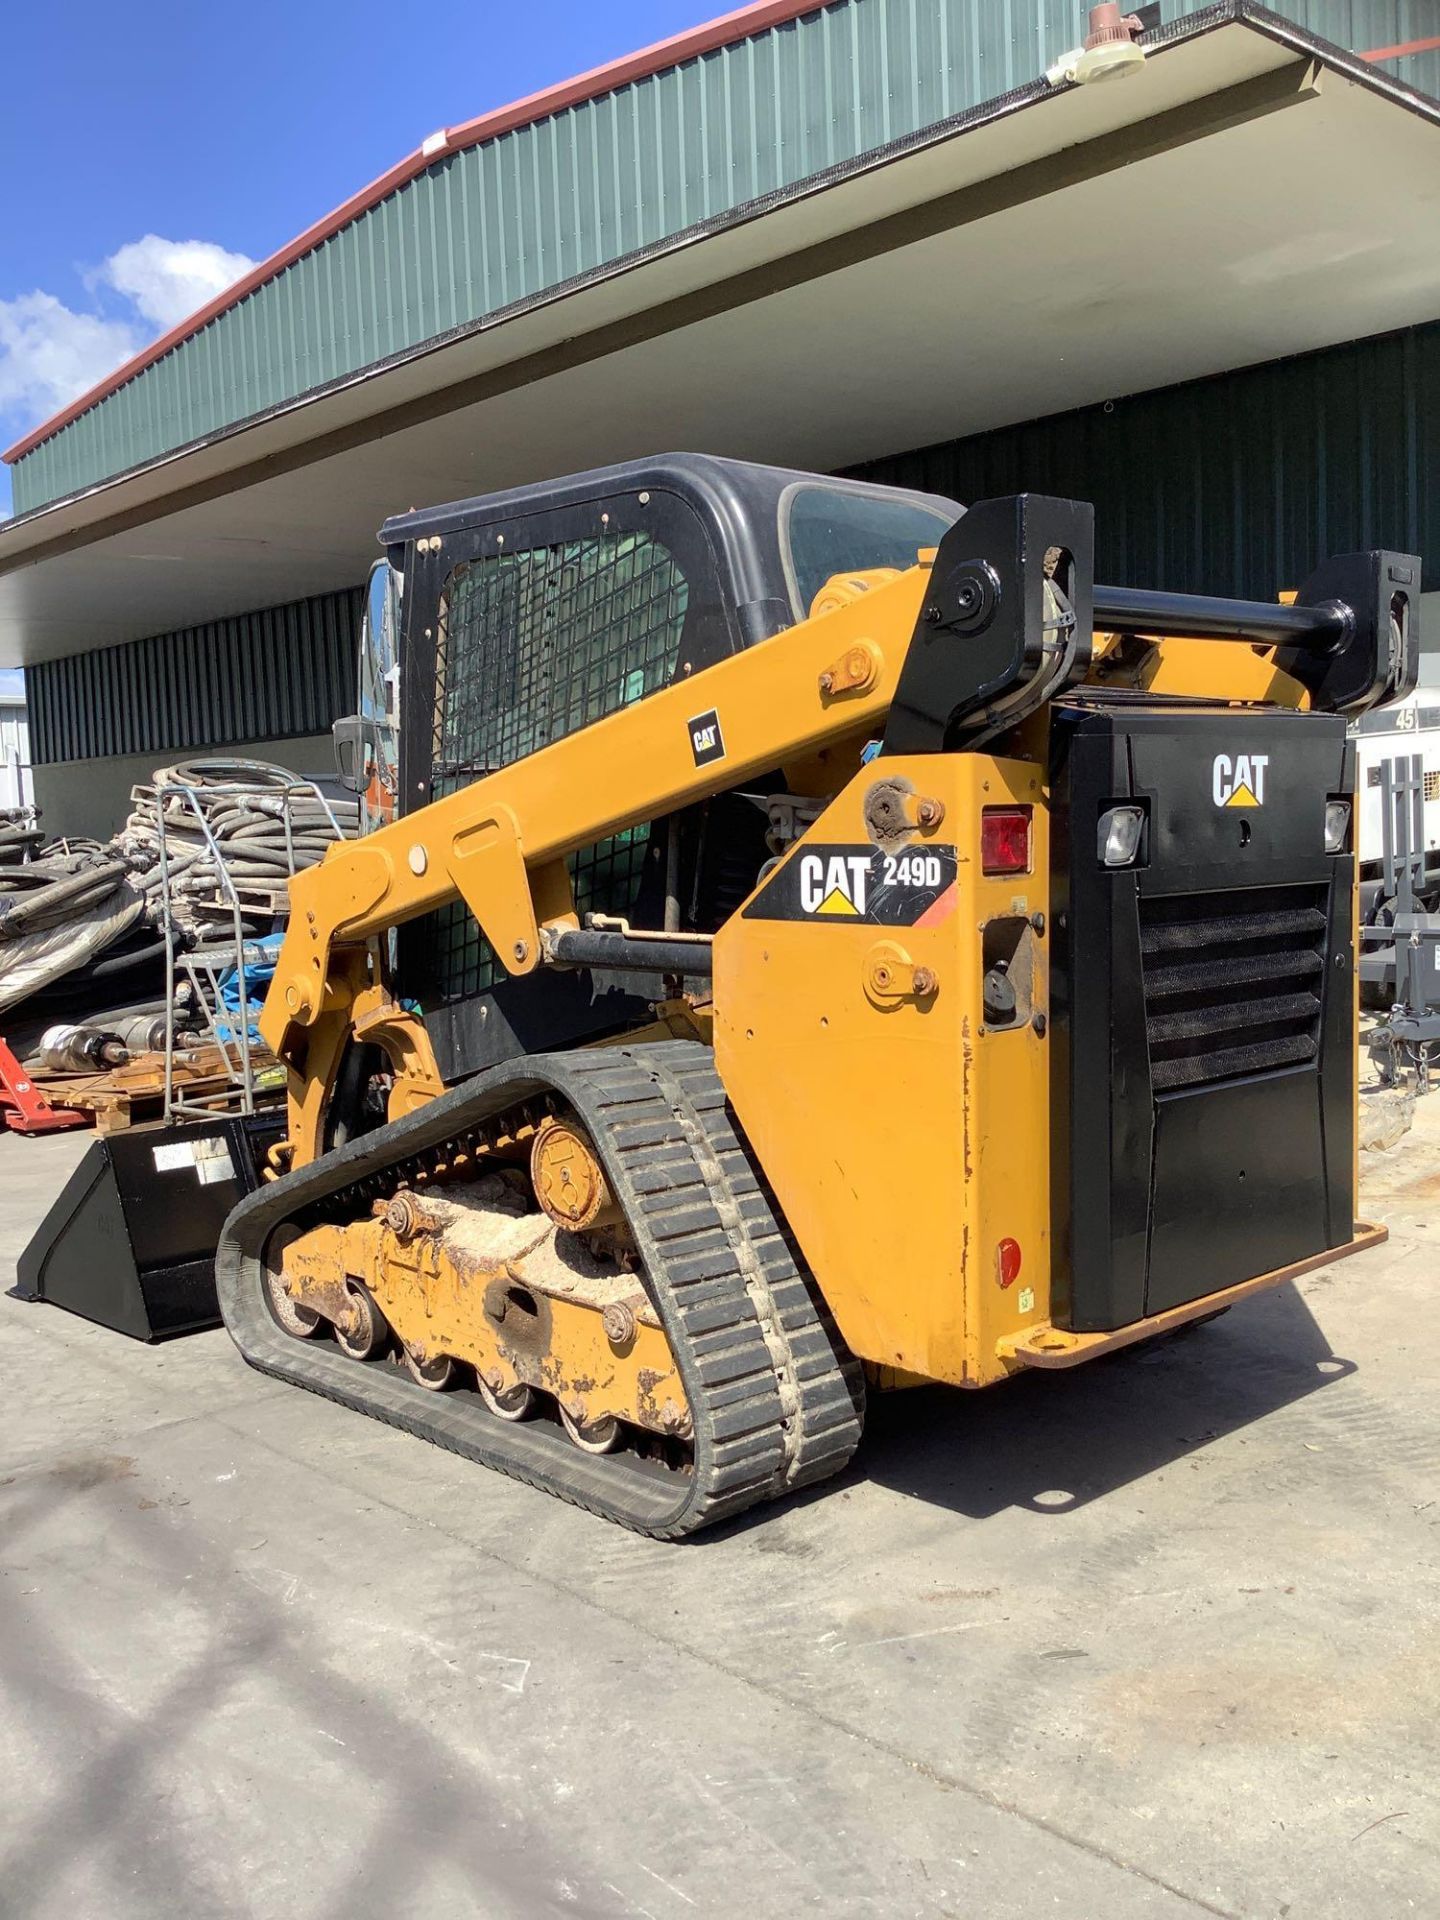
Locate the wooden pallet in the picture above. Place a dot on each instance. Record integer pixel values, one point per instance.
(130, 1095)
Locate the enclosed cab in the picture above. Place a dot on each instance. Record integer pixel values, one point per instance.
(535, 613)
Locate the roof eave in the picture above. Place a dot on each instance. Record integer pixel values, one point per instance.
(1189, 27)
(663, 55)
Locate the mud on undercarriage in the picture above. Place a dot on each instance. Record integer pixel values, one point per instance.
(765, 1396)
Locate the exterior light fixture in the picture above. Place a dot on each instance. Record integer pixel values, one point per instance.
(1119, 837)
(1110, 49)
(1337, 825)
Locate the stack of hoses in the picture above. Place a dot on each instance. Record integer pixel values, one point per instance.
(76, 913)
(20, 837)
(59, 912)
(243, 810)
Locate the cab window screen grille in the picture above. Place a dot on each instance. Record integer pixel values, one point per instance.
(605, 878)
(531, 647)
(537, 644)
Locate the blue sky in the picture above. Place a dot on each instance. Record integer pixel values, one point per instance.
(148, 154)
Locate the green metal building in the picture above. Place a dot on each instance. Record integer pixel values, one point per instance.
(888, 236)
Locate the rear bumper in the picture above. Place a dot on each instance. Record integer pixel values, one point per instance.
(1049, 1346)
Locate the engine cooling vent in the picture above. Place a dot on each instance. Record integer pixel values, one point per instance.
(1233, 983)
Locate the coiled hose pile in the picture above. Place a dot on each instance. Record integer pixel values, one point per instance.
(20, 836)
(263, 829)
(58, 912)
(77, 915)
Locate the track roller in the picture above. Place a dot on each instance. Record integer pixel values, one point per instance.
(507, 1403)
(361, 1332)
(600, 1436)
(436, 1374)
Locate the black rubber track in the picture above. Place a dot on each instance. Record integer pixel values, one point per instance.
(777, 1400)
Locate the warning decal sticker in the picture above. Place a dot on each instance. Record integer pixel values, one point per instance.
(860, 883)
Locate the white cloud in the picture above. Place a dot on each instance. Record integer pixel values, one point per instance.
(49, 354)
(166, 280)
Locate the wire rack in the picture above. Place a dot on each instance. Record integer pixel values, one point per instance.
(199, 976)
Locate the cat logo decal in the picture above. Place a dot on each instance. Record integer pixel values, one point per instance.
(1239, 780)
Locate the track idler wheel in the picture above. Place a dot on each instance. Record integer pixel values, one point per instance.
(364, 1330)
(301, 1323)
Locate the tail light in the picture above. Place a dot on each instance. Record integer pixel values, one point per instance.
(1005, 840)
(1007, 1262)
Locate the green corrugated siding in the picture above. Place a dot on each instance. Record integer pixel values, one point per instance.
(1239, 484)
(505, 221)
(269, 675)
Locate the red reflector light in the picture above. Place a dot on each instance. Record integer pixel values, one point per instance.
(1007, 1262)
(1005, 840)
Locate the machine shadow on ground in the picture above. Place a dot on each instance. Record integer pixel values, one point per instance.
(1053, 1442)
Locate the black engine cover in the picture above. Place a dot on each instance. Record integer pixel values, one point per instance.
(1203, 1005)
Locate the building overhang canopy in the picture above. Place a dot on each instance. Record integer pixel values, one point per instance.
(1248, 194)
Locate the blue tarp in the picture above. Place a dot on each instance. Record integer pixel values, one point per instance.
(259, 972)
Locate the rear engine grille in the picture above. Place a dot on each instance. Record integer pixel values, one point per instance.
(1233, 983)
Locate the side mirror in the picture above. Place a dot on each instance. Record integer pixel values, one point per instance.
(357, 745)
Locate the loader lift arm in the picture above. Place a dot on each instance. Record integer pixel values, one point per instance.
(500, 844)
(965, 637)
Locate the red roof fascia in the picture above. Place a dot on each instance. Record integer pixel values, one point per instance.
(1406, 48)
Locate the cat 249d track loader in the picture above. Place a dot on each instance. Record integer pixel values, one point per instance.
(822, 937)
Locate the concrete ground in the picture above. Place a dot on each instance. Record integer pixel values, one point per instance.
(1156, 1638)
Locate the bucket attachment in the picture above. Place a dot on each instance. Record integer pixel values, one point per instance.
(130, 1242)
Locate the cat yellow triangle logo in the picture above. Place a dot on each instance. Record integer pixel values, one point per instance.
(1239, 780)
(835, 902)
(834, 883)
